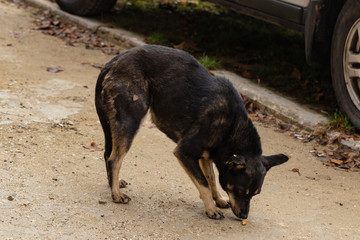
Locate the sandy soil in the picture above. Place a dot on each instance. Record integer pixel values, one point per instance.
(54, 188)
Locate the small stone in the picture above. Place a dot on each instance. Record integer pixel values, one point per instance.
(10, 198)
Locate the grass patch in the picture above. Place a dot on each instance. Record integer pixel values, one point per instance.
(209, 62)
(262, 52)
(340, 122)
(158, 38)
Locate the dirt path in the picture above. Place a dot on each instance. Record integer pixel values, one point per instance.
(54, 188)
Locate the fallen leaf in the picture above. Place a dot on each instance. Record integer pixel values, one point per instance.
(54, 69)
(296, 74)
(296, 170)
(309, 138)
(246, 74)
(282, 127)
(345, 166)
(353, 155)
(92, 147)
(338, 162)
(188, 46)
(110, 51)
(95, 65)
(50, 24)
(318, 96)
(323, 141)
(17, 35)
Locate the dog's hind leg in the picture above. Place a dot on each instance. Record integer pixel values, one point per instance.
(208, 170)
(192, 168)
(107, 132)
(113, 165)
(125, 106)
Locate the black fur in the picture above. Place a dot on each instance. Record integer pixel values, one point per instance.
(199, 112)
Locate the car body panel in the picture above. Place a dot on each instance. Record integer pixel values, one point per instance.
(301, 3)
(274, 11)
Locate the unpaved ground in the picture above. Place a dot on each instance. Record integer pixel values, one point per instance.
(51, 187)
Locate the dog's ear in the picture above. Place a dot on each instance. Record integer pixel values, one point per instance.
(236, 162)
(273, 160)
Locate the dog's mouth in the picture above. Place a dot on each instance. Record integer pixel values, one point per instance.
(239, 207)
(240, 214)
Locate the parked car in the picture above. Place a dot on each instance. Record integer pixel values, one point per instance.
(331, 29)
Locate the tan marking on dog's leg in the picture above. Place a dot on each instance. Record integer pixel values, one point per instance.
(208, 170)
(205, 194)
(117, 156)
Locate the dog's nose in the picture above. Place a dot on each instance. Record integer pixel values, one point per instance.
(243, 215)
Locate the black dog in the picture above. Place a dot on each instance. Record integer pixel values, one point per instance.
(204, 115)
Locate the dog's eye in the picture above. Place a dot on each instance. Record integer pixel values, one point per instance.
(256, 192)
(230, 187)
(241, 191)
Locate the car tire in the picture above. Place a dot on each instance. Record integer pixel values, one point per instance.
(345, 61)
(86, 7)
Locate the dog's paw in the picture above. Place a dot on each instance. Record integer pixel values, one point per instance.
(216, 214)
(123, 183)
(122, 198)
(221, 203)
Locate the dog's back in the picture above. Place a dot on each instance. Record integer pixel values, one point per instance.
(179, 90)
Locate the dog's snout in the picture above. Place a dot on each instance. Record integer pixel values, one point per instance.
(241, 209)
(243, 215)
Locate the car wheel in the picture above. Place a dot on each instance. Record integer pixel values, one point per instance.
(345, 61)
(86, 7)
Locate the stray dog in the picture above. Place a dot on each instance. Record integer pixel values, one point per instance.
(204, 115)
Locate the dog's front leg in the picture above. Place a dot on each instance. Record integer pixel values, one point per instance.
(208, 170)
(193, 169)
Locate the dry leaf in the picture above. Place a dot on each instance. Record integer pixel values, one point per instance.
(338, 162)
(92, 147)
(296, 170)
(50, 24)
(95, 65)
(188, 46)
(246, 74)
(296, 74)
(17, 35)
(54, 69)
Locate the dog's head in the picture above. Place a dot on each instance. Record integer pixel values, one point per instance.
(242, 178)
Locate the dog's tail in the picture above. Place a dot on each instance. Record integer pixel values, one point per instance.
(99, 104)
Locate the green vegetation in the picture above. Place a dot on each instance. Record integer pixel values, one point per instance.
(340, 122)
(158, 38)
(209, 62)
